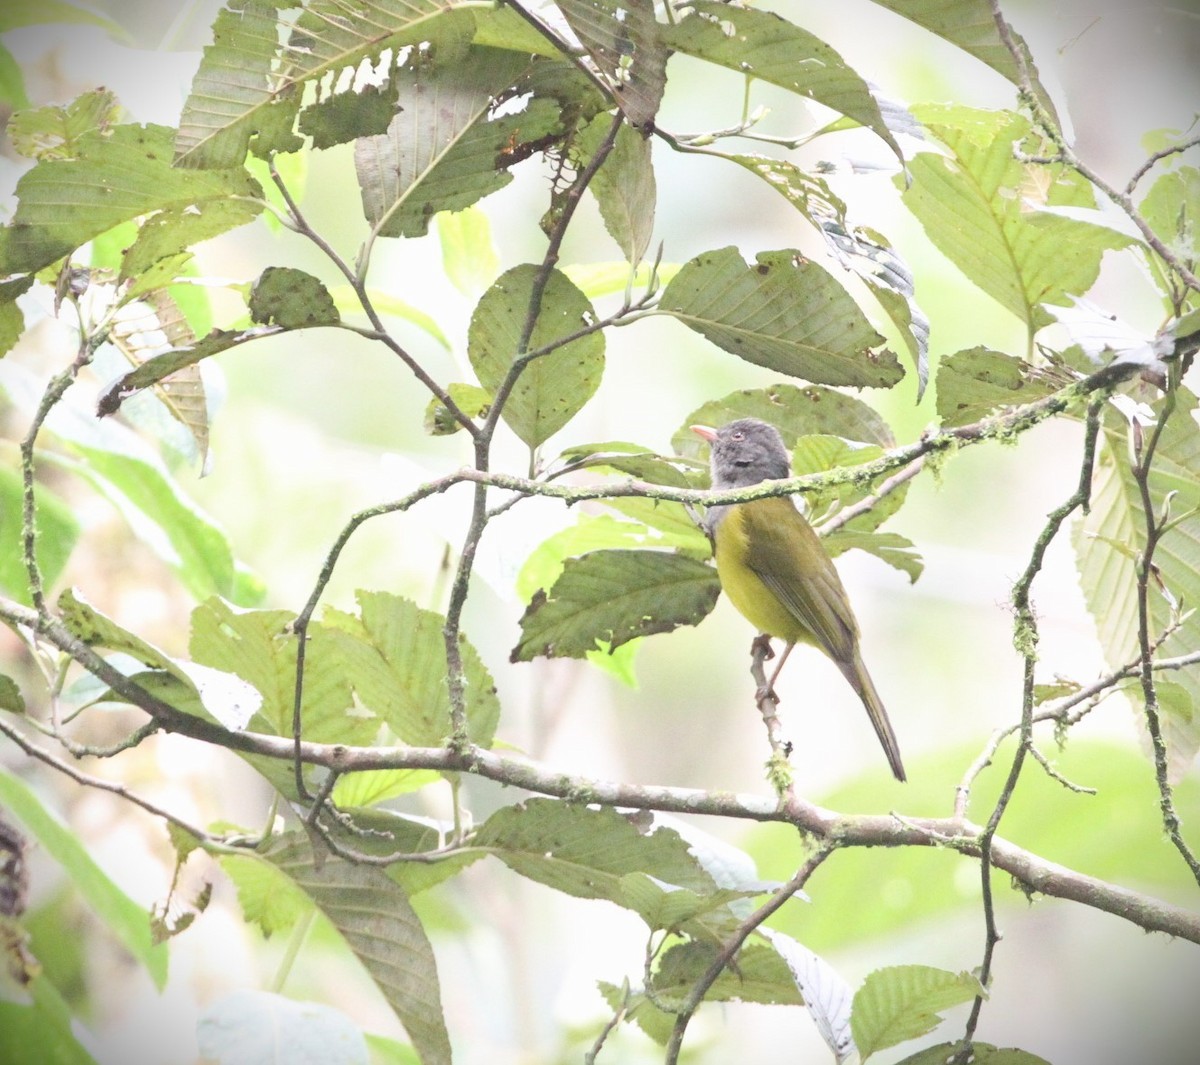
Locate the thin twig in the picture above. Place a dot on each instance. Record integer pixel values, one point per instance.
(727, 953)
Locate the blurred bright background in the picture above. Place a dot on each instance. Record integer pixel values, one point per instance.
(317, 425)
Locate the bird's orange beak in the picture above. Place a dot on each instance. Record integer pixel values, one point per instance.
(703, 430)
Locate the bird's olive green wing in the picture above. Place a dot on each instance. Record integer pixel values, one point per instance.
(791, 560)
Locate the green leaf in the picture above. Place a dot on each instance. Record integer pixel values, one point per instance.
(127, 921)
(12, 81)
(972, 384)
(981, 1054)
(378, 785)
(624, 186)
(553, 387)
(56, 529)
(971, 26)
(627, 45)
(902, 1002)
(896, 550)
(631, 459)
(761, 44)
(447, 147)
(268, 897)
(113, 177)
(260, 647)
(603, 279)
(1172, 208)
(757, 974)
(16, 14)
(473, 401)
(588, 851)
(1115, 524)
(386, 1051)
(784, 313)
(41, 1031)
(612, 597)
(12, 320)
(53, 132)
(249, 1025)
(468, 252)
(291, 299)
(340, 117)
(346, 301)
(160, 514)
(394, 655)
(377, 921)
(795, 412)
(172, 231)
(821, 454)
(11, 698)
(992, 216)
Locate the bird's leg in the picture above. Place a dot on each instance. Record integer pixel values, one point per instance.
(769, 690)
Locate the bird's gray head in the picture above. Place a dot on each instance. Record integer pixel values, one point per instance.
(745, 452)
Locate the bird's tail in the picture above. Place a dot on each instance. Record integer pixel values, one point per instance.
(860, 680)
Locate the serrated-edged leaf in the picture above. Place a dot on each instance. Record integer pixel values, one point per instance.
(821, 453)
(673, 521)
(259, 646)
(757, 974)
(896, 550)
(1172, 208)
(52, 132)
(56, 529)
(611, 597)
(173, 230)
(981, 1054)
(826, 995)
(249, 1025)
(794, 411)
(341, 117)
(677, 909)
(624, 186)
(763, 45)
(113, 177)
(785, 313)
(469, 254)
(374, 916)
(473, 401)
(632, 459)
(626, 43)
(638, 1007)
(291, 299)
(903, 1002)
(222, 696)
(972, 384)
(124, 918)
(991, 215)
(372, 786)
(587, 851)
(150, 327)
(971, 25)
(394, 655)
(553, 387)
(447, 146)
(268, 898)
(1115, 524)
(174, 361)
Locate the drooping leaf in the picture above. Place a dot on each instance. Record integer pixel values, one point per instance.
(633, 460)
(56, 529)
(994, 217)
(826, 994)
(764, 45)
(447, 146)
(795, 412)
(122, 174)
(896, 550)
(903, 1002)
(395, 658)
(758, 974)
(553, 387)
(249, 1025)
(1172, 208)
(972, 384)
(785, 313)
(153, 325)
(624, 186)
(971, 26)
(627, 45)
(611, 597)
(373, 915)
(123, 918)
(12, 320)
(1116, 525)
(291, 299)
(174, 230)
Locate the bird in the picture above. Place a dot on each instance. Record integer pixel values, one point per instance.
(775, 569)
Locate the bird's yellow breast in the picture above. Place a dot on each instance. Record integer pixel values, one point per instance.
(746, 590)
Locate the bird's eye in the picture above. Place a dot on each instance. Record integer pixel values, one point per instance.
(738, 435)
